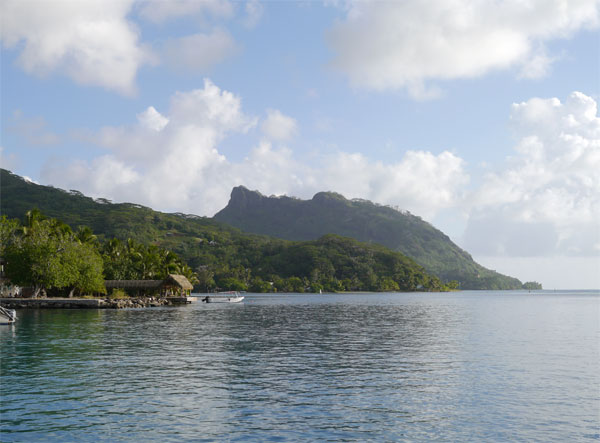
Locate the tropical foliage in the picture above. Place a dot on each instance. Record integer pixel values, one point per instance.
(131, 260)
(47, 255)
(137, 242)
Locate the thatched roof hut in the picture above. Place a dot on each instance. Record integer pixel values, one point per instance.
(177, 281)
(173, 284)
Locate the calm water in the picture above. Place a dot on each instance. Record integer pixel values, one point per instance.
(381, 367)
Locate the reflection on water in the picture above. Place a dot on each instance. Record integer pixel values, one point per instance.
(472, 366)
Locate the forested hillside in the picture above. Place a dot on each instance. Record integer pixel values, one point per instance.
(327, 212)
(221, 256)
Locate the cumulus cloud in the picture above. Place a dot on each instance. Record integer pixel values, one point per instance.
(199, 52)
(279, 127)
(97, 43)
(166, 161)
(171, 161)
(152, 119)
(547, 198)
(421, 182)
(405, 45)
(91, 42)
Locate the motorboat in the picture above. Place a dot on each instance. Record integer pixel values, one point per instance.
(223, 297)
(7, 316)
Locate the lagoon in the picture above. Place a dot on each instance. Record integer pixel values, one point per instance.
(464, 366)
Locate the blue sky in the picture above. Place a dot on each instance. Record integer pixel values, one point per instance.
(479, 116)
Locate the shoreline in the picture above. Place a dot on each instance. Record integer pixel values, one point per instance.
(92, 303)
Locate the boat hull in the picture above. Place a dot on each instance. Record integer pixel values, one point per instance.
(220, 299)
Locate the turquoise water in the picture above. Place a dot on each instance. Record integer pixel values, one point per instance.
(472, 366)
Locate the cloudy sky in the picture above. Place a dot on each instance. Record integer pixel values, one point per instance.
(478, 115)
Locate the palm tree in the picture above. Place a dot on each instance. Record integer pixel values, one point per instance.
(33, 217)
(170, 263)
(85, 235)
(115, 257)
(60, 229)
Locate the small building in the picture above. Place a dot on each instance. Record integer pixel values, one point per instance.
(174, 285)
(177, 284)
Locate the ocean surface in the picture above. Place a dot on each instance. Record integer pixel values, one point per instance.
(465, 366)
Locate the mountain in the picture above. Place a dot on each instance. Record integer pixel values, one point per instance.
(330, 213)
(224, 256)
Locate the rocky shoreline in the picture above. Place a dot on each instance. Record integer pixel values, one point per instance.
(91, 303)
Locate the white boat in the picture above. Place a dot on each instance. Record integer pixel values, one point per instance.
(223, 297)
(7, 316)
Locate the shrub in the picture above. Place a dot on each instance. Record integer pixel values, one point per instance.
(118, 294)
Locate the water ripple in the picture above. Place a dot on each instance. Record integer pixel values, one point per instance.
(391, 367)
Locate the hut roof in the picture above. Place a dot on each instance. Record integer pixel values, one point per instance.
(179, 280)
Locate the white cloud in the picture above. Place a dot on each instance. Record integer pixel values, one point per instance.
(171, 161)
(152, 119)
(397, 45)
(546, 201)
(165, 161)
(273, 171)
(421, 182)
(279, 127)
(91, 42)
(199, 52)
(210, 107)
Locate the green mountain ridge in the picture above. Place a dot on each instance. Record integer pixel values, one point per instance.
(224, 256)
(328, 212)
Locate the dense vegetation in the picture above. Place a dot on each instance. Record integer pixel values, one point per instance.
(220, 256)
(327, 212)
(331, 263)
(47, 255)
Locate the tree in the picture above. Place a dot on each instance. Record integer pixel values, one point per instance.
(85, 235)
(85, 265)
(295, 284)
(387, 284)
(35, 258)
(232, 284)
(116, 260)
(32, 218)
(258, 285)
(452, 285)
(9, 229)
(47, 256)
